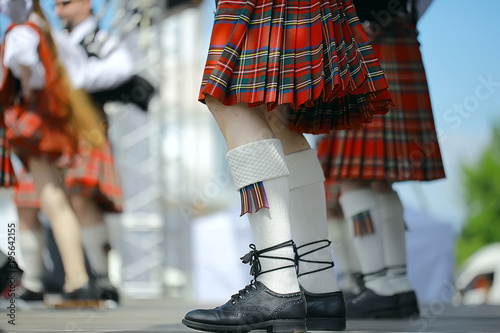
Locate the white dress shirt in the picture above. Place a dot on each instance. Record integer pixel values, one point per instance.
(114, 65)
(21, 49)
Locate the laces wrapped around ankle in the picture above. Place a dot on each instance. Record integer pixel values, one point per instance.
(328, 264)
(252, 258)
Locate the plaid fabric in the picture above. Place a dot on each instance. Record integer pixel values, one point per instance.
(40, 128)
(7, 175)
(32, 134)
(253, 198)
(92, 176)
(403, 144)
(363, 224)
(313, 55)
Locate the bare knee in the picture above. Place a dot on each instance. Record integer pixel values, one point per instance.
(87, 211)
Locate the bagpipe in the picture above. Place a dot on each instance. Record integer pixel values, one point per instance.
(129, 16)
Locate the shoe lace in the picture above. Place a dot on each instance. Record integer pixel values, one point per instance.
(252, 258)
(328, 264)
(245, 291)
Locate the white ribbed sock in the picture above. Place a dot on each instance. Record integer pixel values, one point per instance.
(264, 161)
(94, 241)
(32, 243)
(271, 227)
(346, 260)
(308, 220)
(394, 234)
(369, 247)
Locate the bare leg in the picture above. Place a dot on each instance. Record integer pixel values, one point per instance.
(65, 226)
(256, 156)
(239, 124)
(95, 238)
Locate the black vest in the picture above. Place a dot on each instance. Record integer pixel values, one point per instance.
(137, 90)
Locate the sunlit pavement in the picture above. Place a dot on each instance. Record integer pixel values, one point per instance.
(165, 315)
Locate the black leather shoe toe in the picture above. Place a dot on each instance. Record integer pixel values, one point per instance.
(254, 307)
(368, 305)
(29, 295)
(408, 305)
(325, 312)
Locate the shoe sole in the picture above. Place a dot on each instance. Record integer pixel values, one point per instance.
(272, 326)
(409, 312)
(326, 324)
(379, 314)
(71, 304)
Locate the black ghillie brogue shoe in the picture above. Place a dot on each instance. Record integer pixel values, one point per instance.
(255, 306)
(408, 305)
(325, 311)
(369, 305)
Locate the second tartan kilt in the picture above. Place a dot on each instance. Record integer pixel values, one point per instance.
(401, 145)
(92, 176)
(312, 55)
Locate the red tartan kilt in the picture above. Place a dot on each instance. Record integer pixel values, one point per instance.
(312, 55)
(403, 144)
(94, 176)
(31, 134)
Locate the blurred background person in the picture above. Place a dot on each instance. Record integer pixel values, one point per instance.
(92, 185)
(361, 166)
(45, 117)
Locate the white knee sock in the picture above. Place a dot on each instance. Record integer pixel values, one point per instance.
(32, 244)
(263, 161)
(94, 241)
(391, 210)
(362, 212)
(308, 220)
(346, 259)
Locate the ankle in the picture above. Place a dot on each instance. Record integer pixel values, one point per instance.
(274, 267)
(315, 267)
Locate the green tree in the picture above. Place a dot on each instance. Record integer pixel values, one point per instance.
(482, 196)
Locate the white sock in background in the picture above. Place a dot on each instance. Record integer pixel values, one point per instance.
(391, 211)
(264, 161)
(346, 259)
(363, 204)
(32, 244)
(308, 220)
(95, 239)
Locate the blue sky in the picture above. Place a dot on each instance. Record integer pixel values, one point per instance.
(461, 49)
(48, 6)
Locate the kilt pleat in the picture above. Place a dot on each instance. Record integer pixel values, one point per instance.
(92, 176)
(402, 145)
(313, 55)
